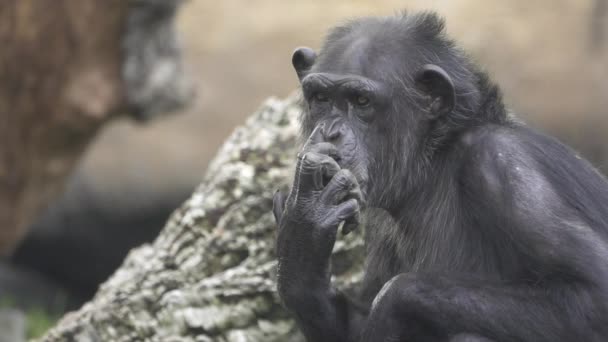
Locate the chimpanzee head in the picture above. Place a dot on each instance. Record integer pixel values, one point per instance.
(387, 92)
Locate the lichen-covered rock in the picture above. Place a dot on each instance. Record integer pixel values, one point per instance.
(12, 325)
(210, 274)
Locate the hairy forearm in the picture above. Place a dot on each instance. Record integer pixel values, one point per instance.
(327, 316)
(322, 312)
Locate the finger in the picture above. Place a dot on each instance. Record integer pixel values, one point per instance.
(315, 171)
(315, 137)
(351, 223)
(325, 148)
(344, 211)
(341, 186)
(347, 209)
(355, 193)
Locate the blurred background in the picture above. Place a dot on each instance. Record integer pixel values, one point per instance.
(549, 56)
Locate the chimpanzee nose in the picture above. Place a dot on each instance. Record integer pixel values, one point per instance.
(332, 131)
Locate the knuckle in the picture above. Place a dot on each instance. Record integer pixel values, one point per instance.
(356, 208)
(322, 147)
(315, 158)
(331, 167)
(354, 203)
(309, 156)
(350, 208)
(321, 151)
(341, 177)
(310, 160)
(328, 159)
(345, 178)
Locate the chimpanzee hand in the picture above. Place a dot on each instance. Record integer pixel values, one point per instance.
(323, 195)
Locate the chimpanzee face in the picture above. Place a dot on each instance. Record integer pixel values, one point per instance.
(369, 119)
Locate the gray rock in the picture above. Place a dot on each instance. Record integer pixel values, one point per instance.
(12, 326)
(210, 275)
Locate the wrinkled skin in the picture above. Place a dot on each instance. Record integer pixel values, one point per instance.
(323, 195)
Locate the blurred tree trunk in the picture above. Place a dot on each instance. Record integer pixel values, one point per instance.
(210, 274)
(59, 81)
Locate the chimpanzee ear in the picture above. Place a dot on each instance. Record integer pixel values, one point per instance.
(303, 58)
(437, 84)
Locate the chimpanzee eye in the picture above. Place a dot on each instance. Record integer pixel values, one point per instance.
(321, 97)
(362, 101)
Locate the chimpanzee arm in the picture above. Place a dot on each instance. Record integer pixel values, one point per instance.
(322, 196)
(545, 215)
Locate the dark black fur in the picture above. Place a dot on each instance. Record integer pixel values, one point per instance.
(478, 227)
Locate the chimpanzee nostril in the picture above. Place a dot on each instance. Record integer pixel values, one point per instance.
(333, 131)
(334, 134)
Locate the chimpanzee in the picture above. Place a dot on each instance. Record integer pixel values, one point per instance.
(483, 228)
